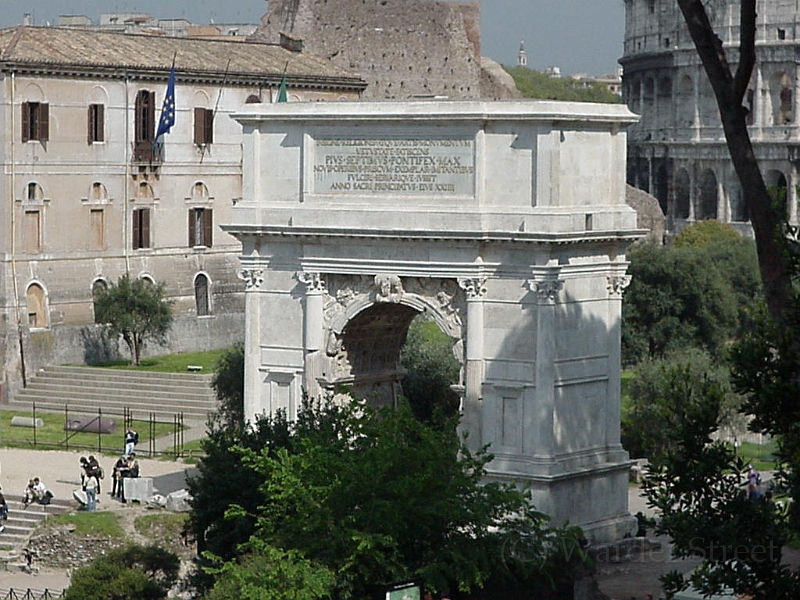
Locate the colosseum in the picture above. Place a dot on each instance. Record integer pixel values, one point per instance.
(677, 151)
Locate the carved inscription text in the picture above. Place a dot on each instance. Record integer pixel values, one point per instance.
(395, 166)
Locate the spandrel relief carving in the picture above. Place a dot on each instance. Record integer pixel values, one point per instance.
(388, 288)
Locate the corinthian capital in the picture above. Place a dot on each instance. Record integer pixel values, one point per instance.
(475, 287)
(546, 290)
(253, 278)
(313, 282)
(617, 283)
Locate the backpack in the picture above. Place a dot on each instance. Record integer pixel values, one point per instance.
(100, 473)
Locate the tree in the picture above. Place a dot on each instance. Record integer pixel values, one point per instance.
(267, 573)
(431, 368)
(130, 573)
(228, 384)
(533, 84)
(766, 364)
(222, 479)
(677, 298)
(135, 309)
(697, 485)
(767, 217)
(377, 496)
(705, 233)
(647, 416)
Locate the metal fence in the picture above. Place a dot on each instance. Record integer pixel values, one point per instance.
(29, 594)
(103, 431)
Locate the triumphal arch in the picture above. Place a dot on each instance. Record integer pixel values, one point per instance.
(504, 222)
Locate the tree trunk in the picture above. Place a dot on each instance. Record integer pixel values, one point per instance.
(768, 220)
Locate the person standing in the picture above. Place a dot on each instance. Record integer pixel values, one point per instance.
(131, 470)
(116, 483)
(3, 511)
(131, 439)
(93, 468)
(92, 485)
(753, 483)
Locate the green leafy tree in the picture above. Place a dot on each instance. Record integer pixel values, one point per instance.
(705, 233)
(228, 384)
(431, 368)
(135, 309)
(533, 84)
(130, 573)
(222, 479)
(377, 496)
(267, 573)
(648, 414)
(698, 487)
(677, 298)
(766, 368)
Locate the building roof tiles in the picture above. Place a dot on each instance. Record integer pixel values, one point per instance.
(62, 48)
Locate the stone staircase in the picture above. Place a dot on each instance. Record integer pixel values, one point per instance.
(23, 520)
(87, 389)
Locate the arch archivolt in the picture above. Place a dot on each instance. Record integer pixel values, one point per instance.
(392, 302)
(349, 295)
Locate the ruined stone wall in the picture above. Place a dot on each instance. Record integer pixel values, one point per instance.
(402, 48)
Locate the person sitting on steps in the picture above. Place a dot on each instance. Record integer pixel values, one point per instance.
(36, 491)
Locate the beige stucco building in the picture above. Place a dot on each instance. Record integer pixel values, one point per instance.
(87, 194)
(677, 150)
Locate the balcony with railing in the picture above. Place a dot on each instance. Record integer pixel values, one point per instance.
(146, 152)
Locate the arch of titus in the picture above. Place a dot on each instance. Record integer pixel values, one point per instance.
(505, 222)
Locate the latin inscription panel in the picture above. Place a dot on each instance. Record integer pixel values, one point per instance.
(399, 166)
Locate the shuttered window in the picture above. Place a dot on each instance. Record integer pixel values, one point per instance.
(203, 126)
(145, 125)
(35, 121)
(201, 224)
(96, 131)
(141, 228)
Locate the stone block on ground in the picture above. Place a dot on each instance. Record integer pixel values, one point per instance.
(90, 425)
(156, 501)
(137, 488)
(20, 421)
(179, 501)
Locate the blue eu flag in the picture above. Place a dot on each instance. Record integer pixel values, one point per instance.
(168, 109)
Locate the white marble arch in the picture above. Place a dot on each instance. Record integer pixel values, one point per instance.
(505, 222)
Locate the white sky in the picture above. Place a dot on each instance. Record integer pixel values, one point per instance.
(579, 36)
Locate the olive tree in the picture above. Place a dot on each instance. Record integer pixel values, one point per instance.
(135, 309)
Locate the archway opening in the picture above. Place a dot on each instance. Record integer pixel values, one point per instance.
(707, 205)
(683, 194)
(390, 347)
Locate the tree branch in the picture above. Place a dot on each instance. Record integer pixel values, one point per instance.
(747, 49)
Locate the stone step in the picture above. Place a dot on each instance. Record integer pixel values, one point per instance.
(113, 391)
(102, 374)
(200, 387)
(81, 392)
(22, 520)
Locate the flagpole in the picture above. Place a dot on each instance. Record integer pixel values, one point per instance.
(167, 119)
(216, 104)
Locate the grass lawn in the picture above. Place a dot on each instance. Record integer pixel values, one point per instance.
(759, 455)
(100, 522)
(52, 434)
(171, 363)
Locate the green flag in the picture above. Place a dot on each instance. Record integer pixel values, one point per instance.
(282, 97)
